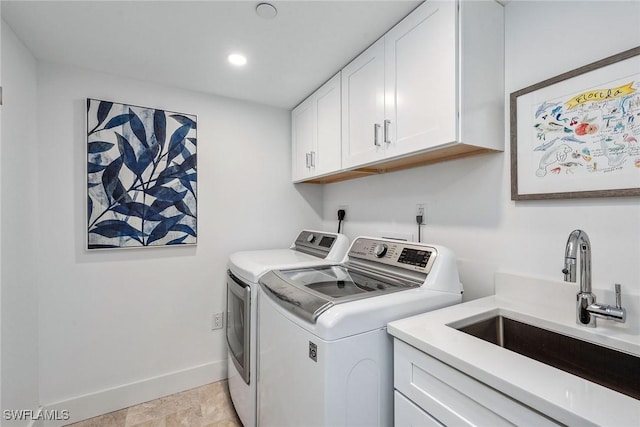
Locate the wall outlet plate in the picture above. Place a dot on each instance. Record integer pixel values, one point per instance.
(421, 210)
(218, 321)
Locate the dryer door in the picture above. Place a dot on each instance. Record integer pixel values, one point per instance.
(239, 323)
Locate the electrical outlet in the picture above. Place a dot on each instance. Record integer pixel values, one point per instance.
(342, 215)
(421, 209)
(218, 321)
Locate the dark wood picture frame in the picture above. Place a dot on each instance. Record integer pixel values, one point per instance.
(515, 194)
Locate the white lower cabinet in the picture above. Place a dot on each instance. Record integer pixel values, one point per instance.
(429, 392)
(406, 413)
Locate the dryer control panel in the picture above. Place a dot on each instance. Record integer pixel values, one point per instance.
(319, 243)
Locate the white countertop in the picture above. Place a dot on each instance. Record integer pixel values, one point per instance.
(546, 304)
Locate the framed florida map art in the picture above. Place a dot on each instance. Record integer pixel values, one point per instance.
(141, 176)
(578, 134)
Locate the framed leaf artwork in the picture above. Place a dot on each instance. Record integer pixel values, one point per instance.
(141, 176)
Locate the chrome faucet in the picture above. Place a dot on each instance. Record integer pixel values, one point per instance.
(586, 307)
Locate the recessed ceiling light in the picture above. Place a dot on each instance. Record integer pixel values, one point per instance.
(237, 59)
(266, 11)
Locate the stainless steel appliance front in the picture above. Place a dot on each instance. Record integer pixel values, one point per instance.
(239, 324)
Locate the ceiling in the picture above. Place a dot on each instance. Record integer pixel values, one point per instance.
(186, 43)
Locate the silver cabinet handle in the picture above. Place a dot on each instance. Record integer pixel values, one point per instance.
(376, 131)
(307, 159)
(387, 123)
(313, 159)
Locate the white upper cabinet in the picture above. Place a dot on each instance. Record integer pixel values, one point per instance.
(431, 89)
(302, 133)
(316, 133)
(328, 151)
(432, 79)
(363, 107)
(420, 79)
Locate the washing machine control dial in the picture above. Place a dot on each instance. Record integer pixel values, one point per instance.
(311, 237)
(379, 250)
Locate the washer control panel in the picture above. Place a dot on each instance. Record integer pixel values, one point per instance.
(410, 256)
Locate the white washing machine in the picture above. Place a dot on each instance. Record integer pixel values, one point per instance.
(311, 248)
(325, 355)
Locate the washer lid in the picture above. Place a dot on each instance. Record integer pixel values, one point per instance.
(309, 292)
(250, 265)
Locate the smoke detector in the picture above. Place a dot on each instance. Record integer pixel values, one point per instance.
(266, 11)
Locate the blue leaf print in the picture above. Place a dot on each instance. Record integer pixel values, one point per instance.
(166, 194)
(178, 241)
(118, 121)
(189, 162)
(138, 128)
(131, 209)
(182, 207)
(186, 182)
(177, 141)
(176, 171)
(140, 193)
(184, 120)
(93, 168)
(110, 177)
(103, 111)
(184, 228)
(139, 210)
(117, 228)
(146, 157)
(127, 153)
(99, 147)
(169, 174)
(120, 195)
(160, 205)
(185, 151)
(160, 127)
(163, 228)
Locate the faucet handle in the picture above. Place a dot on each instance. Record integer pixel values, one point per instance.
(618, 296)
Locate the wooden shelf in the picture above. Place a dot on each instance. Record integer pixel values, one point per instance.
(438, 155)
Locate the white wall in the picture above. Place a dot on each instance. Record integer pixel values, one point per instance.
(127, 319)
(0, 212)
(18, 176)
(118, 327)
(468, 201)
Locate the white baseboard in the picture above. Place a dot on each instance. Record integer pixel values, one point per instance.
(105, 401)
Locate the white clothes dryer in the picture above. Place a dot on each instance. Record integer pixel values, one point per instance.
(311, 248)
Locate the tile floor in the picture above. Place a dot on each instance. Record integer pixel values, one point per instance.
(206, 406)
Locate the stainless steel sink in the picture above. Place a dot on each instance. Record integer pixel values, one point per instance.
(610, 368)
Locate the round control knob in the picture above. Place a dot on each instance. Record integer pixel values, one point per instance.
(379, 250)
(311, 238)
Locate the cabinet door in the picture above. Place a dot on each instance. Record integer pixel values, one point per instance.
(363, 107)
(326, 156)
(406, 414)
(302, 137)
(421, 75)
